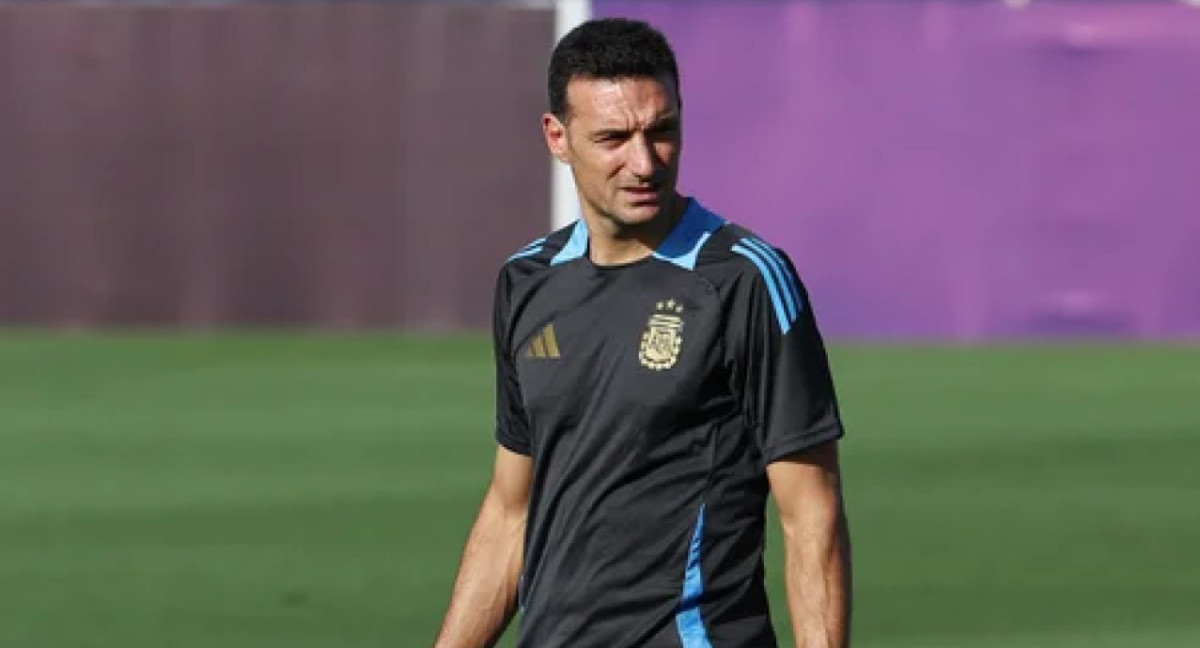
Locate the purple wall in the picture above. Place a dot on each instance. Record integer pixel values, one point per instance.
(955, 169)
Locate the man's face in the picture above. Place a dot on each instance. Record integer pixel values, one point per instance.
(622, 139)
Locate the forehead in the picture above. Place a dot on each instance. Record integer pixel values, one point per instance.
(626, 100)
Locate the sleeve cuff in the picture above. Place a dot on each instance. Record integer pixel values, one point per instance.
(508, 442)
(829, 432)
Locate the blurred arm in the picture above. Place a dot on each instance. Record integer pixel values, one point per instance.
(485, 590)
(807, 490)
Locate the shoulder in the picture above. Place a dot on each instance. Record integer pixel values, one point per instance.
(541, 254)
(718, 248)
(734, 253)
(747, 269)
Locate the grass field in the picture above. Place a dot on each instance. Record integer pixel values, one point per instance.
(304, 492)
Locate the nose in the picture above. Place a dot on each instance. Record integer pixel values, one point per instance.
(641, 160)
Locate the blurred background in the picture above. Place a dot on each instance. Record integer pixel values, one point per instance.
(247, 252)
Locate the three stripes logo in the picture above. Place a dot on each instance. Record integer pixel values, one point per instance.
(543, 345)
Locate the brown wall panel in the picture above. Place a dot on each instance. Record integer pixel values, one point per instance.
(348, 164)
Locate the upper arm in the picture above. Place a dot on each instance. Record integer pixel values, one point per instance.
(808, 484)
(781, 368)
(512, 475)
(512, 472)
(512, 425)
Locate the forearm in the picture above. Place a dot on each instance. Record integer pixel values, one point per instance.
(818, 575)
(485, 590)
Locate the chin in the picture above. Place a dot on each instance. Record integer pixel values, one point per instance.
(637, 218)
(640, 214)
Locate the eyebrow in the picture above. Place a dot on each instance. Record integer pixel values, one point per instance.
(664, 120)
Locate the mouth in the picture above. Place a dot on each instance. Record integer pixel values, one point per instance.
(642, 193)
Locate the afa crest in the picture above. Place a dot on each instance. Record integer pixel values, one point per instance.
(663, 337)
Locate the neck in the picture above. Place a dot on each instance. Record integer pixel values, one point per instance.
(611, 243)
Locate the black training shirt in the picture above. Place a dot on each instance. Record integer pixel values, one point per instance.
(651, 397)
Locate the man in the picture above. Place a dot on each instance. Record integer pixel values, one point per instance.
(659, 374)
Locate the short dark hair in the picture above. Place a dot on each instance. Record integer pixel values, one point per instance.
(608, 48)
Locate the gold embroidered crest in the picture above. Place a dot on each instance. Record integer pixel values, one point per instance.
(663, 337)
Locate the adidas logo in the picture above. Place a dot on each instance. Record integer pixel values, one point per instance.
(543, 345)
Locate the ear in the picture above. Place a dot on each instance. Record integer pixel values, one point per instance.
(556, 137)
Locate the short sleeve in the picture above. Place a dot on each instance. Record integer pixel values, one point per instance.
(780, 363)
(512, 426)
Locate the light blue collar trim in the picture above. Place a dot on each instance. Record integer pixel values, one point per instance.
(576, 246)
(682, 246)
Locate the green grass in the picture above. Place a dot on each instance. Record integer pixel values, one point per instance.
(262, 491)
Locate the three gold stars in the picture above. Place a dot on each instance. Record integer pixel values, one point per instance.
(670, 306)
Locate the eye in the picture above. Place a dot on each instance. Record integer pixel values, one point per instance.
(664, 132)
(667, 128)
(610, 137)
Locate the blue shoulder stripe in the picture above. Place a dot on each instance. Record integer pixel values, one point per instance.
(529, 250)
(781, 312)
(784, 273)
(780, 285)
